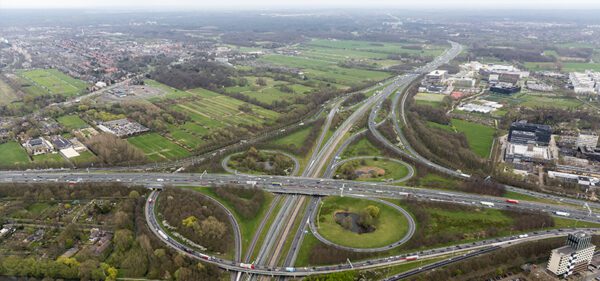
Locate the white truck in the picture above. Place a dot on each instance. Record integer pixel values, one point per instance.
(487, 204)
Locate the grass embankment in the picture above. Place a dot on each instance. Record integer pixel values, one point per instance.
(390, 227)
(391, 170)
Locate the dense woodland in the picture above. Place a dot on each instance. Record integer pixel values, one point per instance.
(245, 201)
(195, 73)
(197, 218)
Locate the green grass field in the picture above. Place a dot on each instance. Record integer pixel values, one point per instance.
(326, 69)
(296, 138)
(566, 66)
(50, 160)
(7, 93)
(434, 100)
(51, 81)
(212, 110)
(157, 147)
(72, 122)
(393, 170)
(376, 47)
(362, 147)
(480, 137)
(84, 158)
(391, 225)
(535, 100)
(270, 92)
(13, 154)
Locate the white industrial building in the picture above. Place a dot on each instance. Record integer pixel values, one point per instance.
(527, 153)
(574, 178)
(587, 82)
(574, 257)
(435, 77)
(481, 106)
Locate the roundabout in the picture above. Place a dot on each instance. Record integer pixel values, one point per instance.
(362, 225)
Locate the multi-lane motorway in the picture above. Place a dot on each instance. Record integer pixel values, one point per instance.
(293, 191)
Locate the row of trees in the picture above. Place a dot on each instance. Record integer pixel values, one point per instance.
(493, 264)
(63, 192)
(115, 151)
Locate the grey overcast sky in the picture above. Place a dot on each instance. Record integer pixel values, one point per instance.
(261, 4)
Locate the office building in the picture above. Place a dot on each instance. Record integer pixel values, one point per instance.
(574, 257)
(522, 132)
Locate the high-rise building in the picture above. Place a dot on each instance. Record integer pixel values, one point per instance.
(574, 257)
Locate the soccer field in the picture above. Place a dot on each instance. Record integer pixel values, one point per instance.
(51, 81)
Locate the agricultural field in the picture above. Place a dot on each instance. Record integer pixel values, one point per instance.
(378, 47)
(209, 112)
(271, 91)
(13, 154)
(72, 122)
(434, 100)
(326, 70)
(157, 147)
(7, 93)
(349, 63)
(391, 226)
(51, 81)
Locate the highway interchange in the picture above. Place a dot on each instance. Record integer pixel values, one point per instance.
(294, 190)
